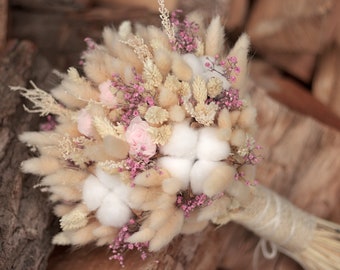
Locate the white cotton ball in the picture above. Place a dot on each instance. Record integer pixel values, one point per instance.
(194, 62)
(113, 212)
(182, 142)
(199, 173)
(108, 180)
(123, 192)
(179, 168)
(210, 146)
(93, 192)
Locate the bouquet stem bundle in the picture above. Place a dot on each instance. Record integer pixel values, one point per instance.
(311, 241)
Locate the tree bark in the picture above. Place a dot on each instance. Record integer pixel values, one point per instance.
(25, 222)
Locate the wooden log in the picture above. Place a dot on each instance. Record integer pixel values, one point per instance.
(150, 5)
(55, 5)
(3, 23)
(25, 223)
(326, 82)
(292, 27)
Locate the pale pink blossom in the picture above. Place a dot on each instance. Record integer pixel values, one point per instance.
(106, 97)
(85, 123)
(139, 139)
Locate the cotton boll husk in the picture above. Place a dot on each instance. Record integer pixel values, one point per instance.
(116, 147)
(113, 212)
(167, 232)
(247, 117)
(151, 177)
(234, 116)
(84, 235)
(176, 113)
(218, 180)
(62, 209)
(238, 137)
(109, 181)
(93, 192)
(142, 236)
(210, 147)
(43, 165)
(214, 39)
(192, 225)
(181, 69)
(240, 51)
(41, 138)
(167, 98)
(249, 172)
(163, 61)
(67, 99)
(214, 209)
(171, 185)
(64, 177)
(224, 119)
(178, 168)
(182, 142)
(103, 231)
(200, 172)
(139, 196)
(66, 193)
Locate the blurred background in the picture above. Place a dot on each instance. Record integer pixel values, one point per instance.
(295, 61)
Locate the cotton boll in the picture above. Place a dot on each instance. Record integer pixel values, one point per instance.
(142, 236)
(218, 180)
(171, 185)
(247, 117)
(194, 62)
(93, 192)
(238, 138)
(43, 165)
(123, 192)
(179, 168)
(109, 181)
(176, 113)
(113, 212)
(167, 232)
(182, 142)
(215, 209)
(210, 147)
(200, 172)
(181, 69)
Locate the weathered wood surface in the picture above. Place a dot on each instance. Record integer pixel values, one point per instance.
(25, 216)
(3, 23)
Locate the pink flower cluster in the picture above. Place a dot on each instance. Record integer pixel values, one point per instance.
(120, 245)
(229, 99)
(191, 202)
(186, 33)
(134, 96)
(251, 157)
(228, 67)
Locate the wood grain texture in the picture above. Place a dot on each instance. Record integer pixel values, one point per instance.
(25, 218)
(3, 23)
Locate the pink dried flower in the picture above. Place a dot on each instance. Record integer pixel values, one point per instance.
(106, 96)
(139, 139)
(49, 124)
(229, 99)
(85, 123)
(227, 68)
(189, 202)
(120, 246)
